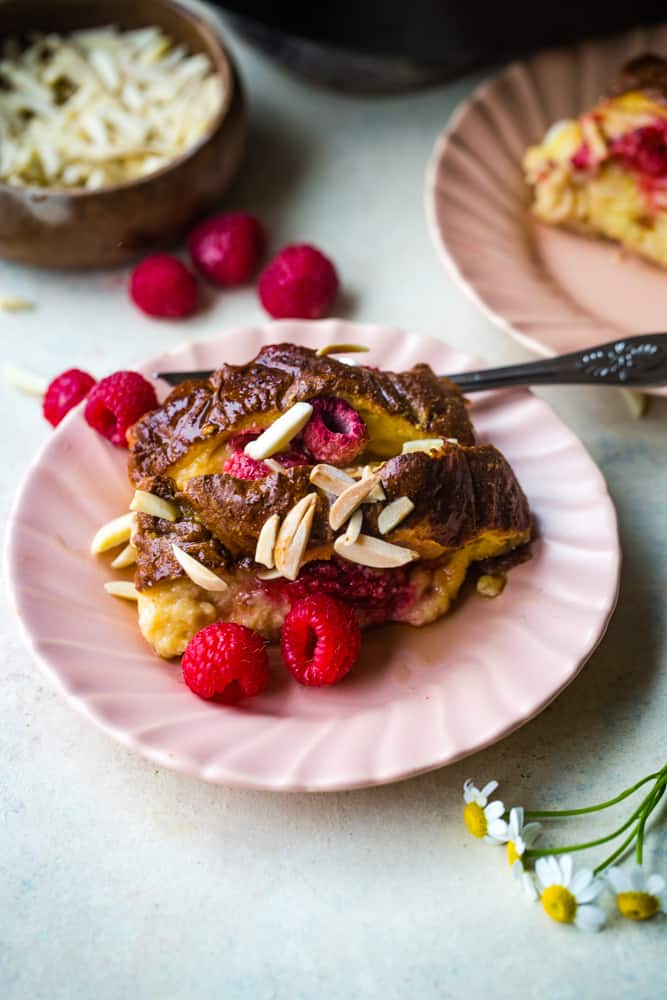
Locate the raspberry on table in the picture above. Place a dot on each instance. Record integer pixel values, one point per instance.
(226, 248)
(117, 402)
(64, 393)
(299, 283)
(162, 286)
(227, 662)
(320, 640)
(335, 432)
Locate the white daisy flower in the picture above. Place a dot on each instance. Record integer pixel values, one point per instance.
(568, 896)
(639, 895)
(520, 836)
(484, 819)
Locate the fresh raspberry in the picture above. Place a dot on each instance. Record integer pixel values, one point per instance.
(226, 248)
(117, 402)
(226, 661)
(320, 640)
(162, 286)
(644, 149)
(242, 466)
(335, 432)
(300, 283)
(65, 392)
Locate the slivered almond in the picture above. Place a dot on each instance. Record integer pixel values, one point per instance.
(353, 528)
(276, 437)
(491, 585)
(294, 535)
(344, 507)
(112, 534)
(330, 479)
(394, 513)
(269, 574)
(122, 588)
(377, 494)
(341, 349)
(266, 542)
(274, 465)
(12, 303)
(424, 444)
(197, 572)
(374, 552)
(125, 558)
(149, 503)
(25, 381)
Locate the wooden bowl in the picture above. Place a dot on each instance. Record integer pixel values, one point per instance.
(58, 227)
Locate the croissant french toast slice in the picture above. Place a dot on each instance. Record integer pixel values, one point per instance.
(187, 436)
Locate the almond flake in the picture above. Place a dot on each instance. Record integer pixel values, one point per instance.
(276, 437)
(122, 588)
(25, 381)
(126, 558)
(394, 513)
(344, 507)
(266, 542)
(275, 466)
(198, 573)
(330, 479)
(374, 552)
(269, 574)
(341, 349)
(112, 534)
(294, 535)
(491, 586)
(377, 494)
(149, 503)
(424, 444)
(353, 528)
(11, 303)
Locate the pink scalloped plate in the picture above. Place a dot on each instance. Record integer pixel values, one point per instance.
(417, 699)
(553, 291)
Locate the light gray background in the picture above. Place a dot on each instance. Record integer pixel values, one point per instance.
(120, 880)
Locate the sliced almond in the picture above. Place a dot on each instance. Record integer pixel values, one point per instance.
(274, 465)
(330, 479)
(112, 534)
(266, 542)
(353, 528)
(126, 558)
(341, 349)
(197, 572)
(276, 437)
(294, 535)
(149, 503)
(374, 552)
(25, 381)
(344, 507)
(122, 588)
(269, 574)
(424, 444)
(377, 494)
(11, 303)
(394, 513)
(491, 586)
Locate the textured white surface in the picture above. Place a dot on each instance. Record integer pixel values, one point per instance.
(120, 880)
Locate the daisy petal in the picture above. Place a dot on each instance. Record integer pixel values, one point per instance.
(517, 869)
(618, 879)
(469, 790)
(529, 887)
(519, 845)
(497, 829)
(655, 884)
(589, 918)
(489, 789)
(555, 874)
(591, 891)
(580, 881)
(494, 810)
(543, 872)
(566, 866)
(531, 832)
(516, 820)
(638, 879)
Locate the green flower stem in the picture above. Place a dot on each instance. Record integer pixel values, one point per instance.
(555, 813)
(617, 853)
(658, 793)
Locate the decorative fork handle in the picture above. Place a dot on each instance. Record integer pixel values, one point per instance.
(634, 363)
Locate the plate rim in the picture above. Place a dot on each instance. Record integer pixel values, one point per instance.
(177, 761)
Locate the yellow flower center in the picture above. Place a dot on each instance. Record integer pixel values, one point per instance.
(475, 820)
(637, 905)
(559, 904)
(512, 853)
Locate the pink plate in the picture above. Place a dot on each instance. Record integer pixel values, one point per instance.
(418, 698)
(552, 290)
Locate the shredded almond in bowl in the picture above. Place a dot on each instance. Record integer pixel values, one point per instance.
(101, 106)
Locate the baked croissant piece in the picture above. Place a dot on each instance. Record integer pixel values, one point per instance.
(298, 473)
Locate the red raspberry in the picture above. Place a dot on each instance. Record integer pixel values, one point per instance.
(644, 150)
(226, 248)
(226, 661)
(300, 282)
(117, 402)
(320, 640)
(64, 393)
(162, 286)
(335, 432)
(242, 466)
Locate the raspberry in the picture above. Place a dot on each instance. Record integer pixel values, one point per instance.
(226, 661)
(300, 283)
(644, 150)
(64, 393)
(226, 248)
(335, 432)
(320, 640)
(242, 466)
(117, 402)
(162, 286)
